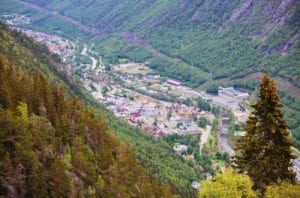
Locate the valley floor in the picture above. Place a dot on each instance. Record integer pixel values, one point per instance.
(153, 103)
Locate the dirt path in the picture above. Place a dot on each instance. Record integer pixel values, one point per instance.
(65, 18)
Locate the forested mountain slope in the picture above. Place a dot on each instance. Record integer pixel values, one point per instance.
(52, 145)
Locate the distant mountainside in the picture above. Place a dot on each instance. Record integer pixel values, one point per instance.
(52, 145)
(221, 39)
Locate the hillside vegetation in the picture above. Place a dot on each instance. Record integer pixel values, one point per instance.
(51, 142)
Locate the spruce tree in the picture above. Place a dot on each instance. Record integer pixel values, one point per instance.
(265, 151)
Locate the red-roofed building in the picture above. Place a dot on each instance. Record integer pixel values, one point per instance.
(174, 83)
(132, 122)
(161, 134)
(147, 129)
(121, 110)
(135, 114)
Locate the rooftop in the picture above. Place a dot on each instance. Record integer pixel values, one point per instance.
(232, 91)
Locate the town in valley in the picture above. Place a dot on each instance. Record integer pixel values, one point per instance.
(140, 96)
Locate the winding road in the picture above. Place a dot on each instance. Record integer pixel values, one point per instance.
(94, 64)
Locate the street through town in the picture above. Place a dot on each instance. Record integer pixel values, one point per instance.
(204, 137)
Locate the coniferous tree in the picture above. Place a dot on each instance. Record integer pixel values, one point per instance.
(265, 150)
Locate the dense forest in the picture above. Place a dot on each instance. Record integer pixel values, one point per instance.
(46, 132)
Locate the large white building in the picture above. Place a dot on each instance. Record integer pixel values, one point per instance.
(174, 83)
(232, 93)
(180, 148)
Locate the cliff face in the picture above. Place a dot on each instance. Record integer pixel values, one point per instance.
(269, 18)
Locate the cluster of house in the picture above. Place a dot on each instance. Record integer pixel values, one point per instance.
(159, 86)
(156, 117)
(15, 19)
(55, 43)
(181, 150)
(148, 113)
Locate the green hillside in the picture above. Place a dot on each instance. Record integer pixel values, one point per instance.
(222, 38)
(46, 132)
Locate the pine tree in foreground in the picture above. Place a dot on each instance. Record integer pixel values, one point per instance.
(265, 151)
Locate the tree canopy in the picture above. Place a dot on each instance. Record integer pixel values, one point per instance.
(228, 185)
(265, 150)
(283, 190)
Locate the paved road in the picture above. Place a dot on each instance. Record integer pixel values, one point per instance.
(223, 138)
(297, 168)
(94, 65)
(204, 136)
(84, 51)
(225, 145)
